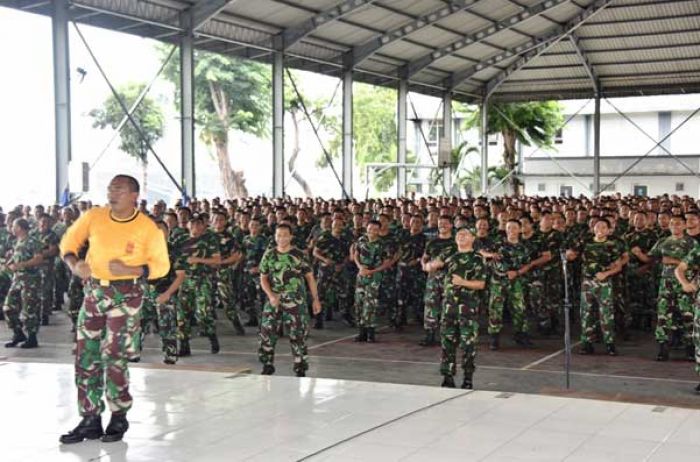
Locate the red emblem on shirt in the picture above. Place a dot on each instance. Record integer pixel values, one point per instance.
(129, 248)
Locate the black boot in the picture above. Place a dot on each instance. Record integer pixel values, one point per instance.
(268, 369)
(697, 389)
(663, 352)
(586, 349)
(252, 322)
(184, 348)
(494, 342)
(370, 335)
(214, 340)
(238, 327)
(448, 382)
(44, 320)
(467, 383)
(690, 352)
(329, 315)
(118, 425)
(610, 348)
(319, 321)
(17, 338)
(362, 337)
(429, 339)
(89, 428)
(348, 321)
(300, 371)
(30, 343)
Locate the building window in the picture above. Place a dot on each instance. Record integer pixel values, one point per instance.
(680, 187)
(541, 187)
(566, 191)
(559, 136)
(493, 139)
(436, 132)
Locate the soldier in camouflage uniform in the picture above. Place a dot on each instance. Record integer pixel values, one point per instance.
(61, 272)
(254, 245)
(669, 310)
(23, 302)
(691, 263)
(202, 255)
(285, 273)
(49, 245)
(387, 288)
(228, 274)
(506, 286)
(433, 263)
(638, 274)
(369, 256)
(465, 276)
(535, 300)
(332, 251)
(411, 277)
(600, 260)
(6, 243)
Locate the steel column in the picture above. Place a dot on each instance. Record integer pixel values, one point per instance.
(61, 80)
(447, 125)
(188, 179)
(348, 163)
(484, 147)
(401, 121)
(596, 146)
(278, 124)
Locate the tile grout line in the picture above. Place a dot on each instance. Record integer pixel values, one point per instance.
(384, 424)
(547, 358)
(338, 340)
(594, 434)
(665, 439)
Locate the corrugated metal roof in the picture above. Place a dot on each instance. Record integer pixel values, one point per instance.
(510, 49)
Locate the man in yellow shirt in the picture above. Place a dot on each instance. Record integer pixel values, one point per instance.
(125, 249)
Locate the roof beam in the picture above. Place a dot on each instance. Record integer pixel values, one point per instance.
(585, 61)
(546, 42)
(288, 37)
(204, 10)
(426, 60)
(364, 51)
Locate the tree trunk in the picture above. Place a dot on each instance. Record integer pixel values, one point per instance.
(232, 181)
(292, 160)
(509, 153)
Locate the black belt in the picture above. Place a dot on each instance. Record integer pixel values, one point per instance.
(115, 282)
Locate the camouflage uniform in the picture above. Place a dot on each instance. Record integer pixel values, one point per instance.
(6, 242)
(370, 255)
(387, 288)
(228, 281)
(639, 278)
(61, 271)
(252, 295)
(534, 288)
(693, 262)
(46, 271)
(434, 287)
(286, 274)
(167, 312)
(333, 289)
(195, 294)
(553, 277)
(411, 278)
(460, 315)
(104, 341)
(502, 290)
(485, 244)
(22, 303)
(597, 257)
(670, 312)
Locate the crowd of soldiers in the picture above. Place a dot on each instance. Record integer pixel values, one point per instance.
(624, 262)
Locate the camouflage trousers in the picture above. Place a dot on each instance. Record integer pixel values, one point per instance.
(623, 316)
(104, 340)
(410, 292)
(62, 278)
(696, 337)
(195, 301)
(22, 303)
(367, 300)
(673, 310)
(503, 291)
(294, 318)
(161, 317)
(597, 294)
(229, 290)
(252, 296)
(333, 290)
(640, 293)
(48, 282)
(387, 294)
(553, 278)
(459, 325)
(433, 301)
(535, 299)
(5, 282)
(75, 298)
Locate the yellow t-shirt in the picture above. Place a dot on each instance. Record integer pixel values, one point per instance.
(136, 241)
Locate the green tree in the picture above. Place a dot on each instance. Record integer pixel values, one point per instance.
(532, 123)
(457, 155)
(374, 131)
(148, 115)
(229, 94)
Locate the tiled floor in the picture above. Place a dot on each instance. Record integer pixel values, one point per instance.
(182, 415)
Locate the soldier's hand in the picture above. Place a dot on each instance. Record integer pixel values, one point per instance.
(162, 299)
(254, 270)
(365, 272)
(316, 306)
(690, 288)
(12, 267)
(275, 300)
(456, 280)
(82, 269)
(601, 276)
(512, 275)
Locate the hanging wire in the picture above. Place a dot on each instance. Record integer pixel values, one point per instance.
(120, 100)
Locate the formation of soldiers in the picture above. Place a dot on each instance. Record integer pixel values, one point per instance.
(445, 263)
